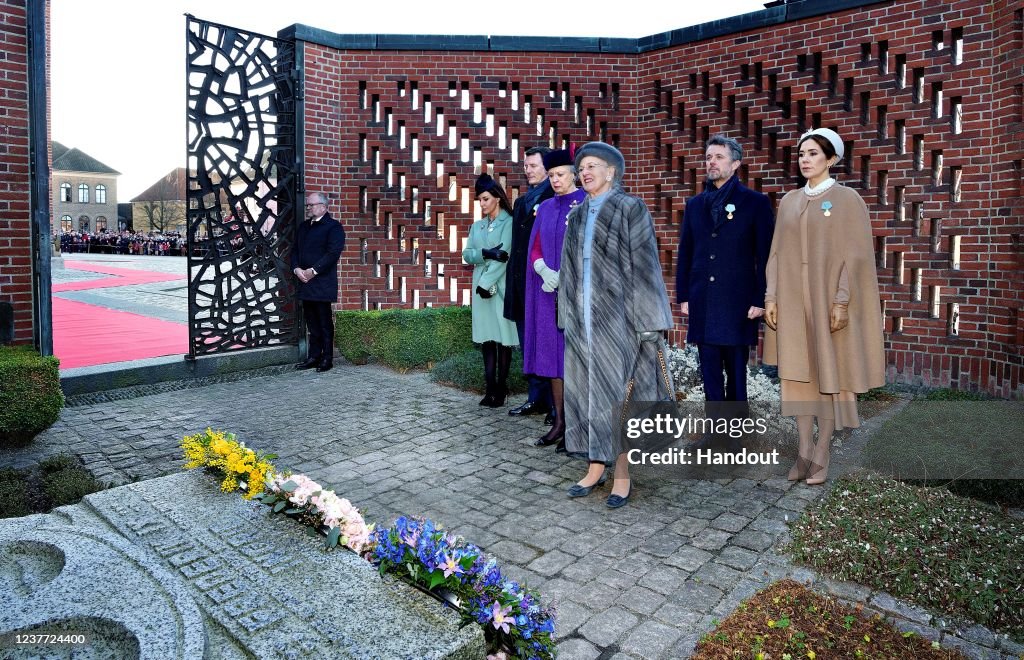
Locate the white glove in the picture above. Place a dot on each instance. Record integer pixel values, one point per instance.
(549, 276)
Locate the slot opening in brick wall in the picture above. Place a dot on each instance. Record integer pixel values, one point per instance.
(956, 176)
(883, 122)
(900, 71)
(758, 77)
(848, 94)
(953, 319)
(883, 190)
(816, 61)
(956, 55)
(883, 58)
(801, 116)
(935, 300)
(865, 52)
(833, 80)
(937, 168)
(917, 217)
(937, 100)
(897, 268)
(865, 172)
(918, 85)
(899, 206)
(900, 136)
(938, 40)
(936, 234)
(954, 251)
(918, 152)
(880, 253)
(916, 279)
(956, 114)
(896, 324)
(865, 108)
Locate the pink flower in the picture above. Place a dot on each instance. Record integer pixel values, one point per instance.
(451, 566)
(500, 617)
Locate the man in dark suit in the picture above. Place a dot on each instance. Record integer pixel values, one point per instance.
(318, 245)
(524, 212)
(720, 279)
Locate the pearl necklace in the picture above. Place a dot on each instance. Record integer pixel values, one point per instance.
(819, 189)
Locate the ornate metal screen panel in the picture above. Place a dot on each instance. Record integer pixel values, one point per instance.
(241, 189)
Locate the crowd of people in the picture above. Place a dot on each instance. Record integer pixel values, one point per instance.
(123, 242)
(573, 278)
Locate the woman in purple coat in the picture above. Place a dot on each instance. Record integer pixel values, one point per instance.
(543, 341)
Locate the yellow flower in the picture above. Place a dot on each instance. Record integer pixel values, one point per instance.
(812, 655)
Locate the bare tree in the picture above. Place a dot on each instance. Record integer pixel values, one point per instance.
(163, 208)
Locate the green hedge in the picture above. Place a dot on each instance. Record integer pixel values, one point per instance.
(30, 394)
(404, 338)
(465, 371)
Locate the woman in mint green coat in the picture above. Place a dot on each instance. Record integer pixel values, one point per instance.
(485, 250)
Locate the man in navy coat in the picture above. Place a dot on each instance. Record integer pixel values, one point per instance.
(318, 245)
(720, 280)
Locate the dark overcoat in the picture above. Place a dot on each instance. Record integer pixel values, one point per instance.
(524, 213)
(627, 297)
(721, 267)
(318, 245)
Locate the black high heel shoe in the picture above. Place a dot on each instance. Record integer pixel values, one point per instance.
(552, 437)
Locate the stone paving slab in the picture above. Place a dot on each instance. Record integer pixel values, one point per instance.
(644, 581)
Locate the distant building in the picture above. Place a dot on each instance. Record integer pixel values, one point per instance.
(124, 215)
(161, 207)
(84, 191)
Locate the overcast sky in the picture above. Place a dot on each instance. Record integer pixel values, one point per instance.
(118, 68)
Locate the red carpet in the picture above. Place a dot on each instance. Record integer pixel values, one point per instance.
(122, 277)
(85, 335)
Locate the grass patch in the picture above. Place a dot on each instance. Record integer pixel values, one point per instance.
(465, 371)
(954, 439)
(788, 620)
(950, 554)
(56, 481)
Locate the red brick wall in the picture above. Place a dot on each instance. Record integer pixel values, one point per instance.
(15, 184)
(948, 238)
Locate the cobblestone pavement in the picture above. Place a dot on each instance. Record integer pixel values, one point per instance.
(644, 581)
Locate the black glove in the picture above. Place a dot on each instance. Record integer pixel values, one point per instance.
(484, 293)
(495, 253)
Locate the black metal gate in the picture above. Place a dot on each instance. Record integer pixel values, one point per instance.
(241, 189)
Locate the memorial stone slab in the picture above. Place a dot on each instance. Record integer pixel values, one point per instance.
(173, 568)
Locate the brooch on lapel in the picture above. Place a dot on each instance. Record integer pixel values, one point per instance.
(730, 208)
(573, 205)
(826, 206)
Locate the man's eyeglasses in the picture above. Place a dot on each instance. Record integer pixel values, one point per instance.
(314, 204)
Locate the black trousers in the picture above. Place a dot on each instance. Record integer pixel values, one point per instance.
(320, 323)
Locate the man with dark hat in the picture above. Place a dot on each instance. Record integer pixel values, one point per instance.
(524, 212)
(318, 245)
(720, 280)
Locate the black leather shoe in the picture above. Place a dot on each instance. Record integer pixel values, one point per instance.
(324, 366)
(616, 501)
(308, 364)
(547, 440)
(577, 490)
(529, 408)
(549, 419)
(560, 447)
